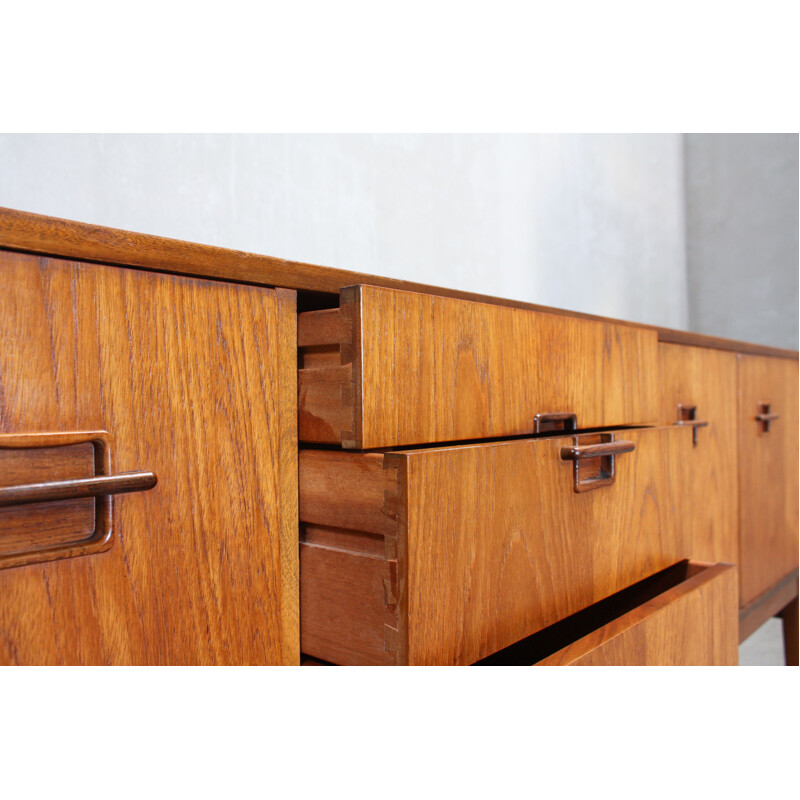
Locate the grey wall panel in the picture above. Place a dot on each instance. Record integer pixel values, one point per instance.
(587, 222)
(741, 234)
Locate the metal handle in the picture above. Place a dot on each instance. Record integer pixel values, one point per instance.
(98, 486)
(577, 453)
(600, 471)
(765, 416)
(694, 424)
(561, 421)
(687, 416)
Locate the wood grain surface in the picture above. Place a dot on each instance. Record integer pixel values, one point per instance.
(345, 490)
(693, 624)
(344, 615)
(353, 605)
(499, 545)
(768, 474)
(40, 526)
(35, 233)
(195, 380)
(491, 542)
(431, 369)
(707, 379)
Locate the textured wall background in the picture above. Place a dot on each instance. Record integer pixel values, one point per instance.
(587, 222)
(741, 216)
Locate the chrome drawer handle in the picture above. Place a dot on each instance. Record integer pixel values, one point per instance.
(576, 453)
(585, 479)
(765, 416)
(98, 486)
(687, 416)
(694, 423)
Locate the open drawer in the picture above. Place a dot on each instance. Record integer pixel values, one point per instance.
(391, 368)
(686, 615)
(447, 555)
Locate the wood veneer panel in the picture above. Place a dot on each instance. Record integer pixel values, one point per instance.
(693, 624)
(691, 339)
(344, 613)
(361, 507)
(40, 525)
(768, 474)
(490, 542)
(418, 368)
(499, 545)
(196, 381)
(36, 233)
(707, 379)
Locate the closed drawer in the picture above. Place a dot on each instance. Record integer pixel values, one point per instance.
(686, 615)
(698, 389)
(391, 368)
(768, 476)
(446, 555)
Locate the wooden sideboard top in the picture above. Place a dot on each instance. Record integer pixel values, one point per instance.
(36, 233)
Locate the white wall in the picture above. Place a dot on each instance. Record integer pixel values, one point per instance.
(742, 211)
(586, 222)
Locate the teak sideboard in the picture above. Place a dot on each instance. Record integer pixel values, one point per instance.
(214, 457)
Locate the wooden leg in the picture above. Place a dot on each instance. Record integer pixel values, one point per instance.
(789, 616)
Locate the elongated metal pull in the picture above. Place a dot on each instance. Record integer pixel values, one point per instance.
(593, 465)
(765, 416)
(687, 416)
(578, 452)
(97, 486)
(693, 423)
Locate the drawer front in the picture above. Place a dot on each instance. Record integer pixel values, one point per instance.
(104, 371)
(392, 368)
(474, 547)
(768, 474)
(698, 389)
(693, 623)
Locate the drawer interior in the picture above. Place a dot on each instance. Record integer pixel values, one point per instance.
(588, 629)
(535, 648)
